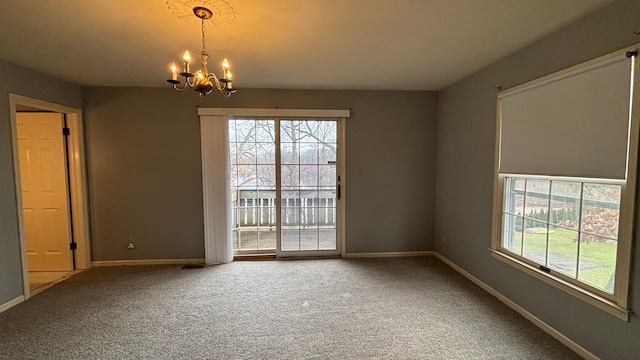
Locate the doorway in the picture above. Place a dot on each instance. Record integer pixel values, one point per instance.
(50, 187)
(284, 186)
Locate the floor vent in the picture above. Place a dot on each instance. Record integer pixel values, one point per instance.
(193, 266)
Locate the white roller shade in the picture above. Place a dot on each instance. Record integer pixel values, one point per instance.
(575, 124)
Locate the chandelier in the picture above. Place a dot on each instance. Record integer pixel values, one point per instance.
(202, 81)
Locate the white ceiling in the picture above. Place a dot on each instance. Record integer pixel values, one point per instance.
(295, 44)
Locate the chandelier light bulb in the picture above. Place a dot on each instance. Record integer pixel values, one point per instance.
(186, 57)
(174, 72)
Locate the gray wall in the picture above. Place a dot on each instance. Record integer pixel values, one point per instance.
(464, 186)
(18, 80)
(145, 172)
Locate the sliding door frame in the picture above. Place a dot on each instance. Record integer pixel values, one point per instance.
(298, 114)
(339, 199)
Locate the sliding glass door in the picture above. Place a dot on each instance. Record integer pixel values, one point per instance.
(284, 186)
(308, 185)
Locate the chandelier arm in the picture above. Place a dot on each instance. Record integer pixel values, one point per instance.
(190, 83)
(176, 88)
(212, 76)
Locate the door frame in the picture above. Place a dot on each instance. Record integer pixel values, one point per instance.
(215, 159)
(76, 174)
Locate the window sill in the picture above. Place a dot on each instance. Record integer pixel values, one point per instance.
(593, 299)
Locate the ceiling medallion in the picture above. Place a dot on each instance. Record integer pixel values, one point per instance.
(222, 14)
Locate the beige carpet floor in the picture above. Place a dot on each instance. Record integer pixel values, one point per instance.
(402, 308)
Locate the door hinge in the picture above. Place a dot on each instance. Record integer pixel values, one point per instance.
(73, 245)
(66, 131)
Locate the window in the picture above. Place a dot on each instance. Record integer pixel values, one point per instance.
(569, 227)
(564, 188)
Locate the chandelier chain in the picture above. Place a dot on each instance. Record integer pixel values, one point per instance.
(203, 39)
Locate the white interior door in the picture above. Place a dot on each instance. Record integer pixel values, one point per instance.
(44, 191)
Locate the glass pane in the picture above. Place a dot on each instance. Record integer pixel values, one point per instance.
(233, 153)
(235, 180)
(512, 230)
(309, 198)
(309, 239)
(290, 239)
(247, 239)
(235, 234)
(535, 241)
(536, 203)
(289, 197)
(290, 175)
(266, 153)
(598, 261)
(232, 131)
(328, 132)
(326, 153)
(327, 196)
(601, 210)
(514, 196)
(327, 239)
(565, 204)
(290, 216)
(267, 239)
(308, 213)
(262, 213)
(246, 153)
(265, 131)
(308, 175)
(245, 131)
(289, 153)
(563, 251)
(327, 217)
(266, 177)
(327, 175)
(246, 176)
(308, 153)
(289, 131)
(308, 131)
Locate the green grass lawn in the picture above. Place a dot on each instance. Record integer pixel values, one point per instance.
(597, 259)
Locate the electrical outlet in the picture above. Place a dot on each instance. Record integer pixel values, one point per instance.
(131, 244)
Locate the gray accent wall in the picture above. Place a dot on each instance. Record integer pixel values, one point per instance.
(464, 186)
(18, 80)
(145, 167)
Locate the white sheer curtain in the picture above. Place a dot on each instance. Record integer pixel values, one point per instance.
(218, 246)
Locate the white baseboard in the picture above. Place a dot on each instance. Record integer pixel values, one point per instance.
(520, 310)
(11, 303)
(147, 262)
(387, 254)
